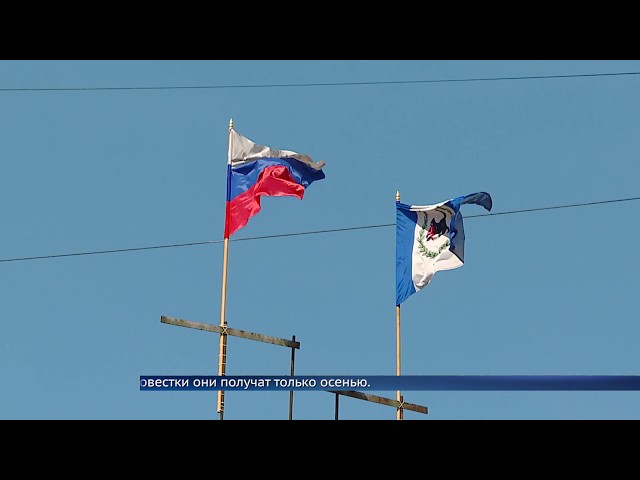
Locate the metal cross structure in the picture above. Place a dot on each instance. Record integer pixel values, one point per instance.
(400, 405)
(243, 334)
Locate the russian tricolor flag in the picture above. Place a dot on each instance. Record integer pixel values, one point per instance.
(255, 170)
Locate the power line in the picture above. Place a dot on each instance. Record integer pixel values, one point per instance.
(314, 232)
(119, 250)
(325, 84)
(554, 207)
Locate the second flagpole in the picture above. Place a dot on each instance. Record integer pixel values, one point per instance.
(399, 411)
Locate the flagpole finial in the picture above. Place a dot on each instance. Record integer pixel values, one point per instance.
(230, 123)
(397, 196)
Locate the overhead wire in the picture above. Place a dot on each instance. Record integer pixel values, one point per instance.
(315, 84)
(312, 232)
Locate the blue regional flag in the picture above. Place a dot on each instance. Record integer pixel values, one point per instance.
(430, 238)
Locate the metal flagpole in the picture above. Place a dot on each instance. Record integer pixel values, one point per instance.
(399, 411)
(222, 358)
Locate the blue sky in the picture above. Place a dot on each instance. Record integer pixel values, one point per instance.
(550, 292)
